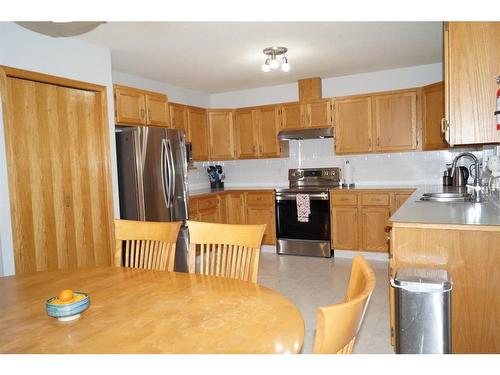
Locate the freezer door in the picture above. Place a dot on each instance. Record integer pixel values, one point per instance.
(177, 161)
(155, 180)
(129, 173)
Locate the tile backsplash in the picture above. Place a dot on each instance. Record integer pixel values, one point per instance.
(396, 168)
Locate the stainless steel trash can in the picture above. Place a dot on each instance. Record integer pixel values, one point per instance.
(422, 310)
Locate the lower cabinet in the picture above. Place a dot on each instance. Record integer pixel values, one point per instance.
(359, 218)
(237, 207)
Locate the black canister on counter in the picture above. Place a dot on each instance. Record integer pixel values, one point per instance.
(447, 180)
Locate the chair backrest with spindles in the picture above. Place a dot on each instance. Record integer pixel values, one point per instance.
(337, 326)
(146, 244)
(229, 250)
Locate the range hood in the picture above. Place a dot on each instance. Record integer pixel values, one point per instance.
(311, 133)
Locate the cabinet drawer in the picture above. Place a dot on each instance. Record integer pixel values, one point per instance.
(266, 199)
(375, 199)
(205, 203)
(344, 199)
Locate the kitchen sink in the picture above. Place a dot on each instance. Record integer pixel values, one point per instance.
(447, 197)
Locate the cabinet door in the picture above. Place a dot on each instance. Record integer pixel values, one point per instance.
(399, 199)
(223, 208)
(246, 131)
(236, 208)
(263, 215)
(292, 116)
(221, 134)
(157, 108)
(209, 215)
(353, 125)
(198, 132)
(396, 121)
(344, 221)
(472, 62)
(319, 113)
(432, 114)
(268, 122)
(373, 223)
(178, 118)
(130, 106)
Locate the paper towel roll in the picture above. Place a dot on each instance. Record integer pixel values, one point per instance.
(347, 173)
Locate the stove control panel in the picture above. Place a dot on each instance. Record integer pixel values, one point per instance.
(314, 176)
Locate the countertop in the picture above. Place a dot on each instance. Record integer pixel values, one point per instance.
(207, 190)
(453, 213)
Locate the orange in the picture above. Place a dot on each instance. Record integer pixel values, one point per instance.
(66, 295)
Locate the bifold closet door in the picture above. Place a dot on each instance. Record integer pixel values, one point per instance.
(59, 180)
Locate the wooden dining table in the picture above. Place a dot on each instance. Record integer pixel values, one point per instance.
(144, 311)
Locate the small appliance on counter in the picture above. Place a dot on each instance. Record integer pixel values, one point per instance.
(216, 176)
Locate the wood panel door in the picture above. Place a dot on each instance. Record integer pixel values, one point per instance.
(246, 134)
(353, 125)
(221, 134)
(179, 118)
(396, 121)
(209, 215)
(292, 116)
(319, 113)
(432, 114)
(198, 132)
(59, 181)
(345, 228)
(472, 64)
(263, 215)
(130, 106)
(268, 122)
(235, 208)
(157, 108)
(373, 223)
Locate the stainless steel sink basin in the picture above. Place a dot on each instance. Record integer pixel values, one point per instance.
(446, 197)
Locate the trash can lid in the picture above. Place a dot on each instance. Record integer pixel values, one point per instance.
(422, 279)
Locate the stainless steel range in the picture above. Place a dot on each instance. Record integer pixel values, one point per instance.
(312, 236)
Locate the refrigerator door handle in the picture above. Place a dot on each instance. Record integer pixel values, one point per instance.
(163, 173)
(171, 172)
(144, 148)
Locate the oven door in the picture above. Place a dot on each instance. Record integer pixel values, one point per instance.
(303, 238)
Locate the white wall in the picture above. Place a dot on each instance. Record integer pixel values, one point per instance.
(175, 94)
(392, 79)
(69, 58)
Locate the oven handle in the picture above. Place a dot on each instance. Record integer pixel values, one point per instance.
(292, 197)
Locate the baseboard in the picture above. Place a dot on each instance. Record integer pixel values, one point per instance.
(339, 253)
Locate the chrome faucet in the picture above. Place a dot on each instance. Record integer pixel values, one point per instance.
(477, 178)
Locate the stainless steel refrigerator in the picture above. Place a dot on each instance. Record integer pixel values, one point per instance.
(152, 179)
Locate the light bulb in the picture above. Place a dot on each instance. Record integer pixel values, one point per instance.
(274, 64)
(285, 67)
(266, 68)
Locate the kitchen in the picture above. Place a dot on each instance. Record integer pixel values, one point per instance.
(250, 183)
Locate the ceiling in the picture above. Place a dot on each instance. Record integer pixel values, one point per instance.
(217, 57)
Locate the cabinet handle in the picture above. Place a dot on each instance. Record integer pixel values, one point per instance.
(253, 149)
(260, 148)
(142, 113)
(378, 141)
(443, 125)
(149, 114)
(369, 142)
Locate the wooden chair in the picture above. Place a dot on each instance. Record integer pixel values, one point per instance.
(338, 325)
(149, 245)
(229, 250)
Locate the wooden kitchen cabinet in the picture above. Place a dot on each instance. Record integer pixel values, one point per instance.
(268, 123)
(235, 206)
(292, 116)
(345, 227)
(395, 121)
(432, 114)
(373, 223)
(221, 134)
(319, 113)
(198, 132)
(140, 107)
(472, 65)
(179, 118)
(260, 210)
(246, 133)
(398, 199)
(353, 125)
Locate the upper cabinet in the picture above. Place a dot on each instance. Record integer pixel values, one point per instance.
(292, 116)
(353, 124)
(179, 118)
(221, 134)
(395, 121)
(432, 114)
(256, 132)
(472, 65)
(140, 107)
(198, 132)
(317, 113)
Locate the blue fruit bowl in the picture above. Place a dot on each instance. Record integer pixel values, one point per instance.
(67, 311)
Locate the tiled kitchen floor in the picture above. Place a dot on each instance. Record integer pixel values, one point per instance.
(311, 282)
